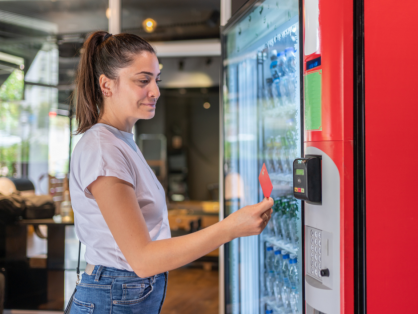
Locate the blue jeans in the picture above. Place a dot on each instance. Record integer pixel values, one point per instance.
(114, 291)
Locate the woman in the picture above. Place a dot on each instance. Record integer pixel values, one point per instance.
(119, 205)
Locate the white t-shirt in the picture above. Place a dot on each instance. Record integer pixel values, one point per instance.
(105, 151)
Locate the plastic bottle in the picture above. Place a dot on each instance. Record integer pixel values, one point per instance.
(294, 283)
(270, 279)
(293, 222)
(278, 263)
(273, 64)
(276, 154)
(278, 283)
(268, 94)
(293, 272)
(276, 219)
(66, 210)
(269, 258)
(284, 221)
(286, 283)
(268, 310)
(282, 72)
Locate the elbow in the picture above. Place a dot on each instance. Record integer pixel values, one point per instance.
(142, 271)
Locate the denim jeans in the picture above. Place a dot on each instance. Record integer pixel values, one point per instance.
(115, 291)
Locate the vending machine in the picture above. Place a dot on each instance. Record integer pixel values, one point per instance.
(323, 93)
(287, 96)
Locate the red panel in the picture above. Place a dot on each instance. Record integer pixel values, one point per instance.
(391, 46)
(336, 51)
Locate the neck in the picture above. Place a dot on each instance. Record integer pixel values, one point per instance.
(120, 124)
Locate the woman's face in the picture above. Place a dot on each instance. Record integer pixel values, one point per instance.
(136, 92)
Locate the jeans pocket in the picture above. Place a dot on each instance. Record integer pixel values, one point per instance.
(134, 293)
(81, 307)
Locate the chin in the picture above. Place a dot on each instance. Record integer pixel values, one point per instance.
(148, 115)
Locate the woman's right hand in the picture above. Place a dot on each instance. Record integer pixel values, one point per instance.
(250, 220)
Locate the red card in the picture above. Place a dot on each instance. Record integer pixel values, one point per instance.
(265, 181)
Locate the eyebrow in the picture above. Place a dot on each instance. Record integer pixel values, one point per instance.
(148, 73)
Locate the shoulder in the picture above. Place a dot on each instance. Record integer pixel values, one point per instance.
(97, 139)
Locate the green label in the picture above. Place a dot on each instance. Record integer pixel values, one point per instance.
(313, 101)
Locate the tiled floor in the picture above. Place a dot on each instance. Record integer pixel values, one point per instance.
(192, 290)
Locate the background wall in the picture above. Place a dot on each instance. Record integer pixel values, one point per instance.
(181, 112)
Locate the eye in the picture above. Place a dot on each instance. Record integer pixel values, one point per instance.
(158, 81)
(144, 81)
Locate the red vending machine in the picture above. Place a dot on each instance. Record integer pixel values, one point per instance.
(357, 141)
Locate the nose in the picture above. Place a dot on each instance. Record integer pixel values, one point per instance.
(154, 91)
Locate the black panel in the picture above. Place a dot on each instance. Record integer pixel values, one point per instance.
(360, 291)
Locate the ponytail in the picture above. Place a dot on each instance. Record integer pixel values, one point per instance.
(103, 53)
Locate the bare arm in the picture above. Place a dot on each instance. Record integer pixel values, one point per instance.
(119, 206)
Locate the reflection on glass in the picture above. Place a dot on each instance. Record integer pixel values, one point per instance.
(261, 95)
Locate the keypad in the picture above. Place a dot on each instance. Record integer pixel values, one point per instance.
(315, 248)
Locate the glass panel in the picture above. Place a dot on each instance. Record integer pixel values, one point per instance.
(261, 96)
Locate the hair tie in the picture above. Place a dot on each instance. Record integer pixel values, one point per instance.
(107, 36)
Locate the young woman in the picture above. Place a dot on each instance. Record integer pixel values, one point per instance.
(119, 205)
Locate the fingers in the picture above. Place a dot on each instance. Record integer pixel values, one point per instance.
(265, 204)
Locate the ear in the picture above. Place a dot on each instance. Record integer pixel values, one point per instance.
(106, 85)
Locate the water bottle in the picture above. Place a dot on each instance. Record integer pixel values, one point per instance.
(293, 272)
(269, 258)
(290, 60)
(293, 222)
(282, 72)
(268, 310)
(291, 73)
(273, 64)
(286, 282)
(270, 279)
(268, 94)
(276, 219)
(294, 283)
(278, 262)
(284, 221)
(278, 283)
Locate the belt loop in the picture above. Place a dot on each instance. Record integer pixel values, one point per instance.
(153, 280)
(98, 273)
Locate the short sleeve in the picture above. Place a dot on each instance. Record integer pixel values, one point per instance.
(104, 160)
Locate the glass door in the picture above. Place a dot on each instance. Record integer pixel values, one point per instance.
(262, 124)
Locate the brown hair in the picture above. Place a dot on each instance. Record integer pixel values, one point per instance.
(103, 53)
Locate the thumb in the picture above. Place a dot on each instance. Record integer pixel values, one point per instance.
(265, 204)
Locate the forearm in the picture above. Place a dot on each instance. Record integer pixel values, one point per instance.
(164, 255)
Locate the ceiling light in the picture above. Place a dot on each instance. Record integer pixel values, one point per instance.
(149, 25)
(160, 66)
(107, 13)
(206, 105)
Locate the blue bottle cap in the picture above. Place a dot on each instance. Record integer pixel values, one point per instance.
(277, 252)
(269, 248)
(281, 53)
(285, 256)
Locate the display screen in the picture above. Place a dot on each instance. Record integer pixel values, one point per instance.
(300, 172)
(313, 63)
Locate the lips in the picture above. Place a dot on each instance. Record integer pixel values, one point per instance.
(149, 105)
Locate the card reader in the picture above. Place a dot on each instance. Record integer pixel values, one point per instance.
(307, 179)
